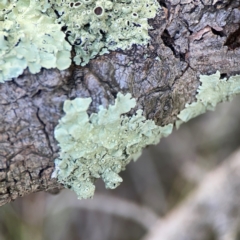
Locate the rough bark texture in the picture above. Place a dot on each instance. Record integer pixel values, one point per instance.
(189, 38)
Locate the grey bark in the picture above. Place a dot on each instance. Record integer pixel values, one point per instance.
(189, 38)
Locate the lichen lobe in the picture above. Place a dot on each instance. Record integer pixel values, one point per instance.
(212, 91)
(100, 146)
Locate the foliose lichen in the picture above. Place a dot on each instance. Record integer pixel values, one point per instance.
(30, 38)
(100, 146)
(97, 26)
(212, 91)
(41, 33)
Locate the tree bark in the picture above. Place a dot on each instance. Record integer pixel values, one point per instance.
(188, 38)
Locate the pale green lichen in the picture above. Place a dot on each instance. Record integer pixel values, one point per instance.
(95, 27)
(37, 33)
(29, 38)
(212, 91)
(101, 145)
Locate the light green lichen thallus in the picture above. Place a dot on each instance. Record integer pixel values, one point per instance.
(41, 33)
(100, 146)
(30, 38)
(97, 26)
(212, 91)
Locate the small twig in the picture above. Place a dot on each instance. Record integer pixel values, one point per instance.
(103, 203)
